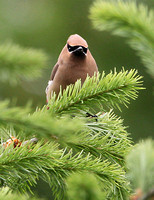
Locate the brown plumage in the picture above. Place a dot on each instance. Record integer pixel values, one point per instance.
(75, 62)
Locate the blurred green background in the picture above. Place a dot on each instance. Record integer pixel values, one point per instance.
(46, 24)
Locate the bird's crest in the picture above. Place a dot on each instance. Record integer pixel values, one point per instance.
(77, 40)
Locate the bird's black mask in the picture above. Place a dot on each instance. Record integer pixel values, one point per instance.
(77, 50)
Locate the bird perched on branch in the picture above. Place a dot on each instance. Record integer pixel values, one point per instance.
(75, 62)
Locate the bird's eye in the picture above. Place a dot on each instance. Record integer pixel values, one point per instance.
(71, 48)
(85, 49)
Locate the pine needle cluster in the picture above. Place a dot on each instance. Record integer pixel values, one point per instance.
(18, 63)
(68, 140)
(140, 162)
(127, 19)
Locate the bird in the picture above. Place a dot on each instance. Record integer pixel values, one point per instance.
(74, 62)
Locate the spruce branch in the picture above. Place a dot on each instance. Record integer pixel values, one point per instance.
(106, 138)
(20, 167)
(40, 124)
(18, 63)
(128, 20)
(84, 186)
(7, 194)
(108, 91)
(140, 163)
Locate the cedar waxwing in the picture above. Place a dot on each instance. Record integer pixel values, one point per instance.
(75, 62)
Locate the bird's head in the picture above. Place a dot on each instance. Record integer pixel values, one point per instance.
(77, 46)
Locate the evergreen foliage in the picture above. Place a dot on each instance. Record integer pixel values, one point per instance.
(94, 145)
(84, 186)
(18, 63)
(109, 91)
(140, 163)
(40, 124)
(82, 144)
(21, 167)
(129, 20)
(7, 194)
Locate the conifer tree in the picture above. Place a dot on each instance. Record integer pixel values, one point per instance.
(80, 144)
(76, 143)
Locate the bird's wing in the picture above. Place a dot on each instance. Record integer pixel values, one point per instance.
(52, 77)
(54, 71)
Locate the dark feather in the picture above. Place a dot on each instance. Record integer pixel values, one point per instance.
(54, 71)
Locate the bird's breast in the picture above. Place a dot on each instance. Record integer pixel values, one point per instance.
(71, 69)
